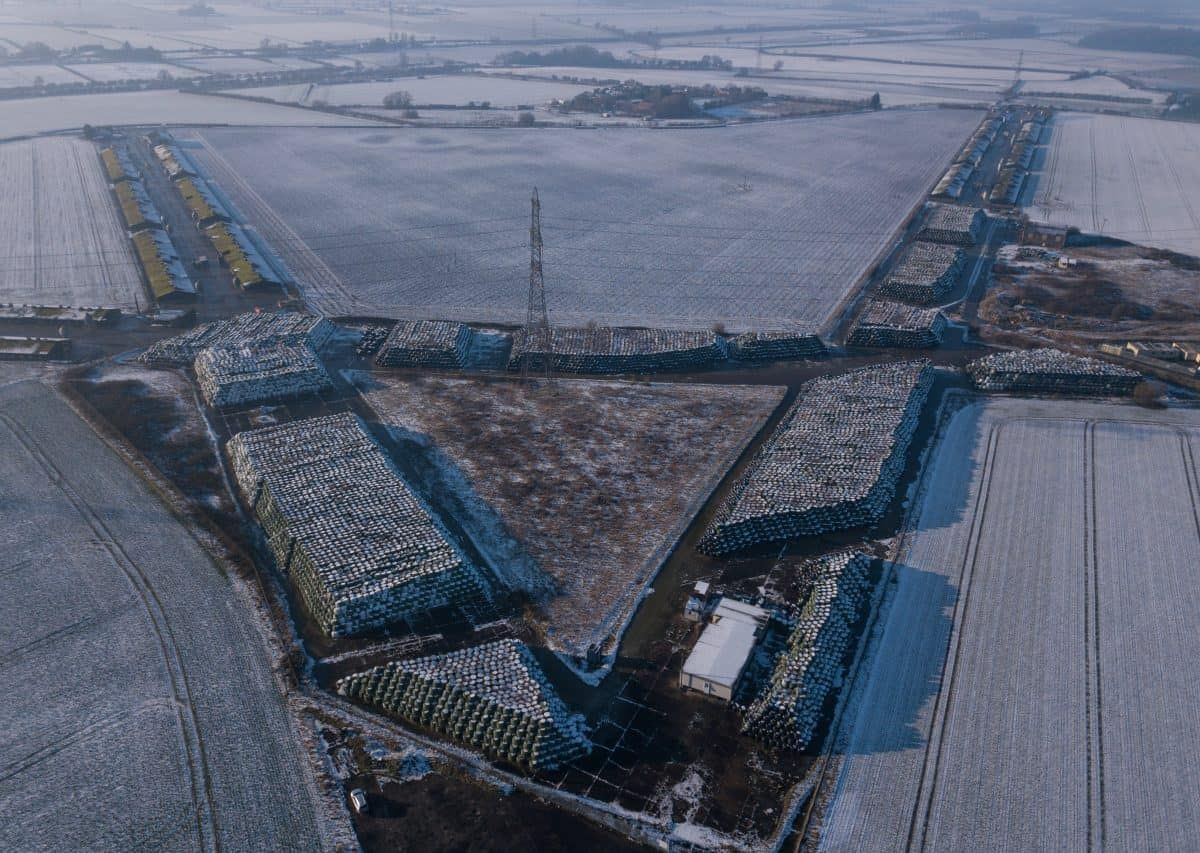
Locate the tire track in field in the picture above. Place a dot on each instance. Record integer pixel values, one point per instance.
(49, 750)
(1093, 708)
(1179, 184)
(320, 286)
(918, 828)
(94, 228)
(194, 749)
(1137, 184)
(35, 220)
(1095, 179)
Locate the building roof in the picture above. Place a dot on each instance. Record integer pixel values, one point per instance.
(726, 643)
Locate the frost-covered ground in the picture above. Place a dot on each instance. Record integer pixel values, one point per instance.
(141, 711)
(30, 116)
(1133, 178)
(1030, 681)
(106, 72)
(454, 89)
(63, 241)
(761, 226)
(596, 479)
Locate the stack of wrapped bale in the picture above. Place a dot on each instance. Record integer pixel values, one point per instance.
(425, 343)
(245, 330)
(894, 324)
(949, 223)
(372, 339)
(811, 667)
(776, 346)
(232, 377)
(493, 698)
(619, 350)
(1052, 371)
(925, 274)
(362, 550)
(833, 462)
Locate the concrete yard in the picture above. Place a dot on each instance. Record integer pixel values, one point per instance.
(142, 711)
(1031, 684)
(754, 226)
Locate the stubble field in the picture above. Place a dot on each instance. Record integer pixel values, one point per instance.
(63, 241)
(1133, 178)
(764, 226)
(142, 712)
(1028, 685)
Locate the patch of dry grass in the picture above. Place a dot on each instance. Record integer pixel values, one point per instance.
(596, 479)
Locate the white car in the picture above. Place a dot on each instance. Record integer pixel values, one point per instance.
(358, 799)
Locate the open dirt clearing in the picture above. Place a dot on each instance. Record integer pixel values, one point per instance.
(143, 712)
(762, 226)
(1133, 178)
(596, 480)
(63, 241)
(1029, 687)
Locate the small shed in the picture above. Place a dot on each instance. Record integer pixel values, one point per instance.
(719, 659)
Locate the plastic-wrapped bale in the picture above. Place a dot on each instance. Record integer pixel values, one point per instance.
(250, 330)
(620, 350)
(949, 223)
(811, 667)
(776, 346)
(1051, 371)
(362, 550)
(894, 324)
(493, 698)
(832, 463)
(232, 377)
(926, 273)
(425, 343)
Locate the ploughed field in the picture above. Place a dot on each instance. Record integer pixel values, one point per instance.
(1032, 680)
(596, 480)
(142, 712)
(1133, 178)
(63, 242)
(757, 226)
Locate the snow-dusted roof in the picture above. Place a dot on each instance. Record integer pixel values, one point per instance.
(725, 645)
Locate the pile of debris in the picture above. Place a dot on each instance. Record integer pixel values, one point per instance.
(1053, 371)
(894, 324)
(812, 665)
(620, 350)
(776, 346)
(425, 343)
(232, 377)
(493, 698)
(926, 273)
(361, 548)
(833, 462)
(251, 330)
(949, 223)
(372, 339)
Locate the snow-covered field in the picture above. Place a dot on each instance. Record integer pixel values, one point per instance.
(1101, 85)
(1133, 178)
(30, 116)
(596, 480)
(142, 712)
(63, 241)
(1029, 685)
(454, 89)
(107, 72)
(12, 76)
(762, 226)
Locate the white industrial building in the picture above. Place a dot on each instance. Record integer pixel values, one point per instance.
(717, 662)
